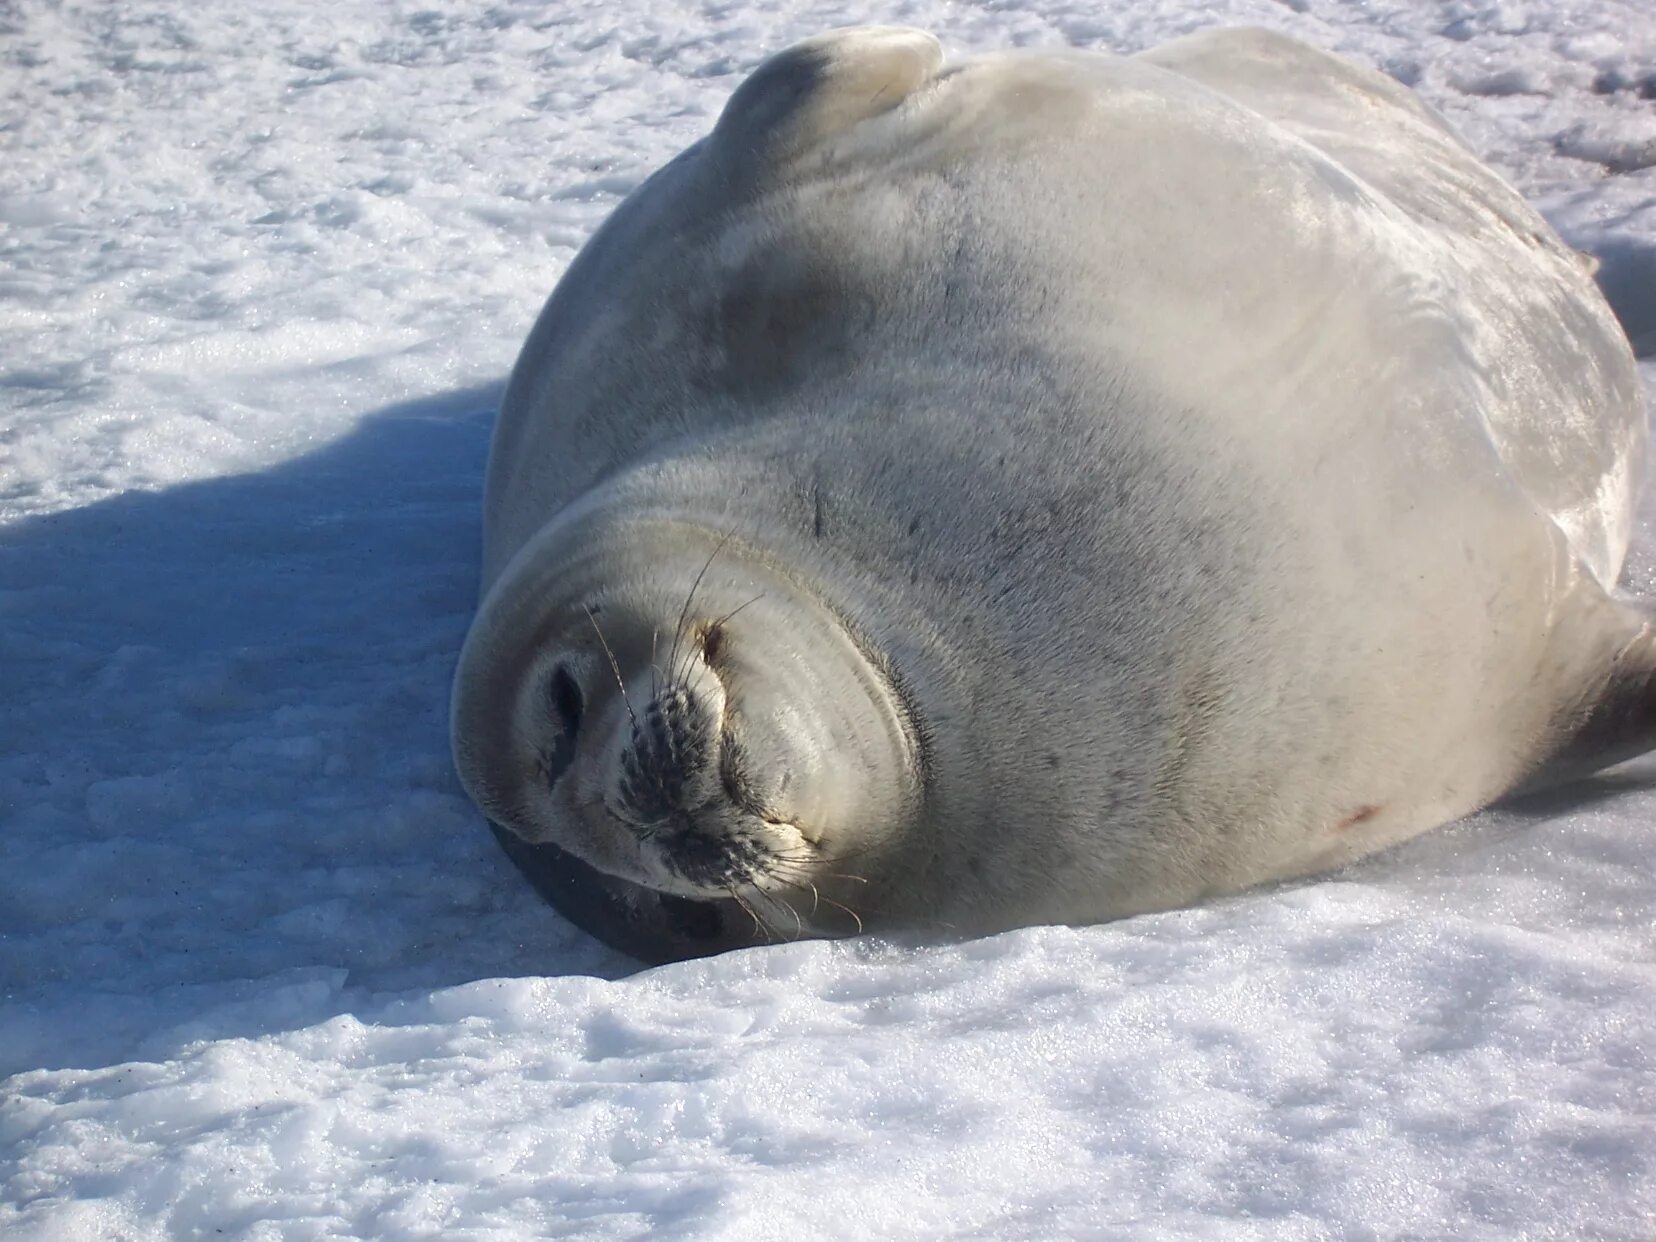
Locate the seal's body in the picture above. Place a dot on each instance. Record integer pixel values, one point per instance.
(1044, 489)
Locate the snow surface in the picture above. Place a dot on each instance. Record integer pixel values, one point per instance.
(263, 971)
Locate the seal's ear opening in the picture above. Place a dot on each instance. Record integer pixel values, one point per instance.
(656, 928)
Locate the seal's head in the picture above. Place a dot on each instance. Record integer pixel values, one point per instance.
(676, 710)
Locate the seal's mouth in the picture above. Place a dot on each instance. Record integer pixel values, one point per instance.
(782, 883)
(703, 863)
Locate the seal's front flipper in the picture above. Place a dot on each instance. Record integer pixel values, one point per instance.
(653, 927)
(1616, 719)
(806, 96)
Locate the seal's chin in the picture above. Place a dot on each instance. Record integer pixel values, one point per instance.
(677, 713)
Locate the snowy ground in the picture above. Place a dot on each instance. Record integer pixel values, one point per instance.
(263, 973)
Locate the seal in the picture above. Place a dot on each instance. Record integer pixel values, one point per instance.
(1045, 488)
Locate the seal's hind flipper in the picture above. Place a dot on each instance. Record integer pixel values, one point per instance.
(818, 89)
(653, 927)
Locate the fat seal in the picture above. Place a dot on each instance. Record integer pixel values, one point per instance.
(1045, 488)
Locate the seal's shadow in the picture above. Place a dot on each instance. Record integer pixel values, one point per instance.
(1627, 278)
(224, 774)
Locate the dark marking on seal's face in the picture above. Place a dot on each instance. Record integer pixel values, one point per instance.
(712, 642)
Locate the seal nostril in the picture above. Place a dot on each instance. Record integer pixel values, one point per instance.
(563, 695)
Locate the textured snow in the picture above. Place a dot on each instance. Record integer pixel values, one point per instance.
(262, 973)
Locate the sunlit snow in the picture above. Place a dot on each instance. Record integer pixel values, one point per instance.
(262, 970)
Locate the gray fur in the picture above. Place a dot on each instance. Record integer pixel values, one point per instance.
(1160, 475)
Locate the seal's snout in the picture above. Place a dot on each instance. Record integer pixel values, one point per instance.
(672, 779)
(667, 756)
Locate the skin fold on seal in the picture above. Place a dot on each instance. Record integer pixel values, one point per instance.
(1043, 488)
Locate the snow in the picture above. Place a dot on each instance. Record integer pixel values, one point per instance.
(263, 971)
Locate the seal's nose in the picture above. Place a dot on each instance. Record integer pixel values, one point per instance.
(671, 790)
(666, 749)
(670, 752)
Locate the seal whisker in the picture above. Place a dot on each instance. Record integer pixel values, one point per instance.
(815, 855)
(615, 666)
(738, 609)
(799, 862)
(684, 613)
(855, 917)
(714, 628)
(806, 850)
(758, 923)
(816, 897)
(655, 670)
(906, 916)
(736, 897)
(775, 900)
(778, 863)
